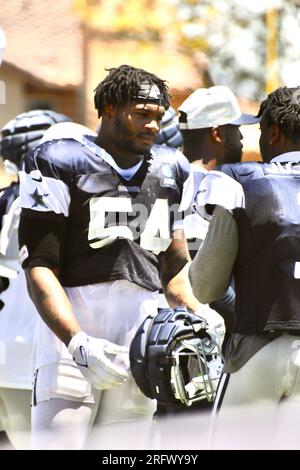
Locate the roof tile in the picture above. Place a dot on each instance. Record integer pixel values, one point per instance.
(44, 39)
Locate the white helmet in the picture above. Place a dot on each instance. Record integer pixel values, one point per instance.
(2, 43)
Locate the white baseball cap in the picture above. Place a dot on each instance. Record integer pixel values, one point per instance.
(2, 43)
(211, 107)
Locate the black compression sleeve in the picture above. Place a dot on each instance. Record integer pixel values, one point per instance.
(40, 242)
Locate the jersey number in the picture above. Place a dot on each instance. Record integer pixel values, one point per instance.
(155, 236)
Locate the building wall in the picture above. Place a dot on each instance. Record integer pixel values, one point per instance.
(22, 95)
(14, 96)
(62, 101)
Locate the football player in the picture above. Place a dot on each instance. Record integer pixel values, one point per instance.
(96, 241)
(210, 120)
(18, 314)
(257, 238)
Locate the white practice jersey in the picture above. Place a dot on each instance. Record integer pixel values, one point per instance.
(18, 316)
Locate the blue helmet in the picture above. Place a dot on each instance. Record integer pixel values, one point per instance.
(175, 358)
(24, 132)
(169, 133)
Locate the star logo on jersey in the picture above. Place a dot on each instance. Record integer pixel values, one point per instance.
(39, 199)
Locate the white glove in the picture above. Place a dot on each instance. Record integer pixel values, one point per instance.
(213, 319)
(94, 357)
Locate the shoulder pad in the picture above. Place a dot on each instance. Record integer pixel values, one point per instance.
(23, 133)
(219, 189)
(67, 130)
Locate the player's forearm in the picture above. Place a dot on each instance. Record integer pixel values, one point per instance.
(179, 292)
(174, 274)
(52, 302)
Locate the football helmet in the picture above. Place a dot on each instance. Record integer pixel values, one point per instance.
(23, 133)
(176, 358)
(169, 133)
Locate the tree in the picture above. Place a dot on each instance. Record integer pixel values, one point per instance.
(233, 35)
(225, 39)
(138, 18)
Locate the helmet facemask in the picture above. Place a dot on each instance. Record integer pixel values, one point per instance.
(175, 358)
(196, 369)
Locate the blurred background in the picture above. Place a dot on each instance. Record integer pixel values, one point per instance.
(57, 52)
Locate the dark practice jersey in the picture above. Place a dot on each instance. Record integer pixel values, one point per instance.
(115, 227)
(9, 217)
(267, 268)
(7, 196)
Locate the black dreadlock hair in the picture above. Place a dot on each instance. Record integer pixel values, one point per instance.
(121, 85)
(282, 107)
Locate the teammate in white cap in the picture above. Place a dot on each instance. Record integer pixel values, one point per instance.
(210, 120)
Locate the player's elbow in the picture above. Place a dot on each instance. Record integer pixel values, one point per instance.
(204, 290)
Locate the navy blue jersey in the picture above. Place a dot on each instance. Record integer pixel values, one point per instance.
(267, 268)
(7, 196)
(115, 227)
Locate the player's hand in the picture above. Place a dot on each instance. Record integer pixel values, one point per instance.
(212, 318)
(95, 356)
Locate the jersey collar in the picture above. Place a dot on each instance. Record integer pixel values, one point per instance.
(287, 157)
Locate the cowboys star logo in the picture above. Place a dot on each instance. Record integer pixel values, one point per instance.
(39, 199)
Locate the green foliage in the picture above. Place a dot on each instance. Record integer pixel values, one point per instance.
(231, 33)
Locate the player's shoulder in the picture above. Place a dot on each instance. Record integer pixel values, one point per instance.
(242, 170)
(172, 157)
(67, 130)
(7, 196)
(62, 146)
(218, 188)
(11, 190)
